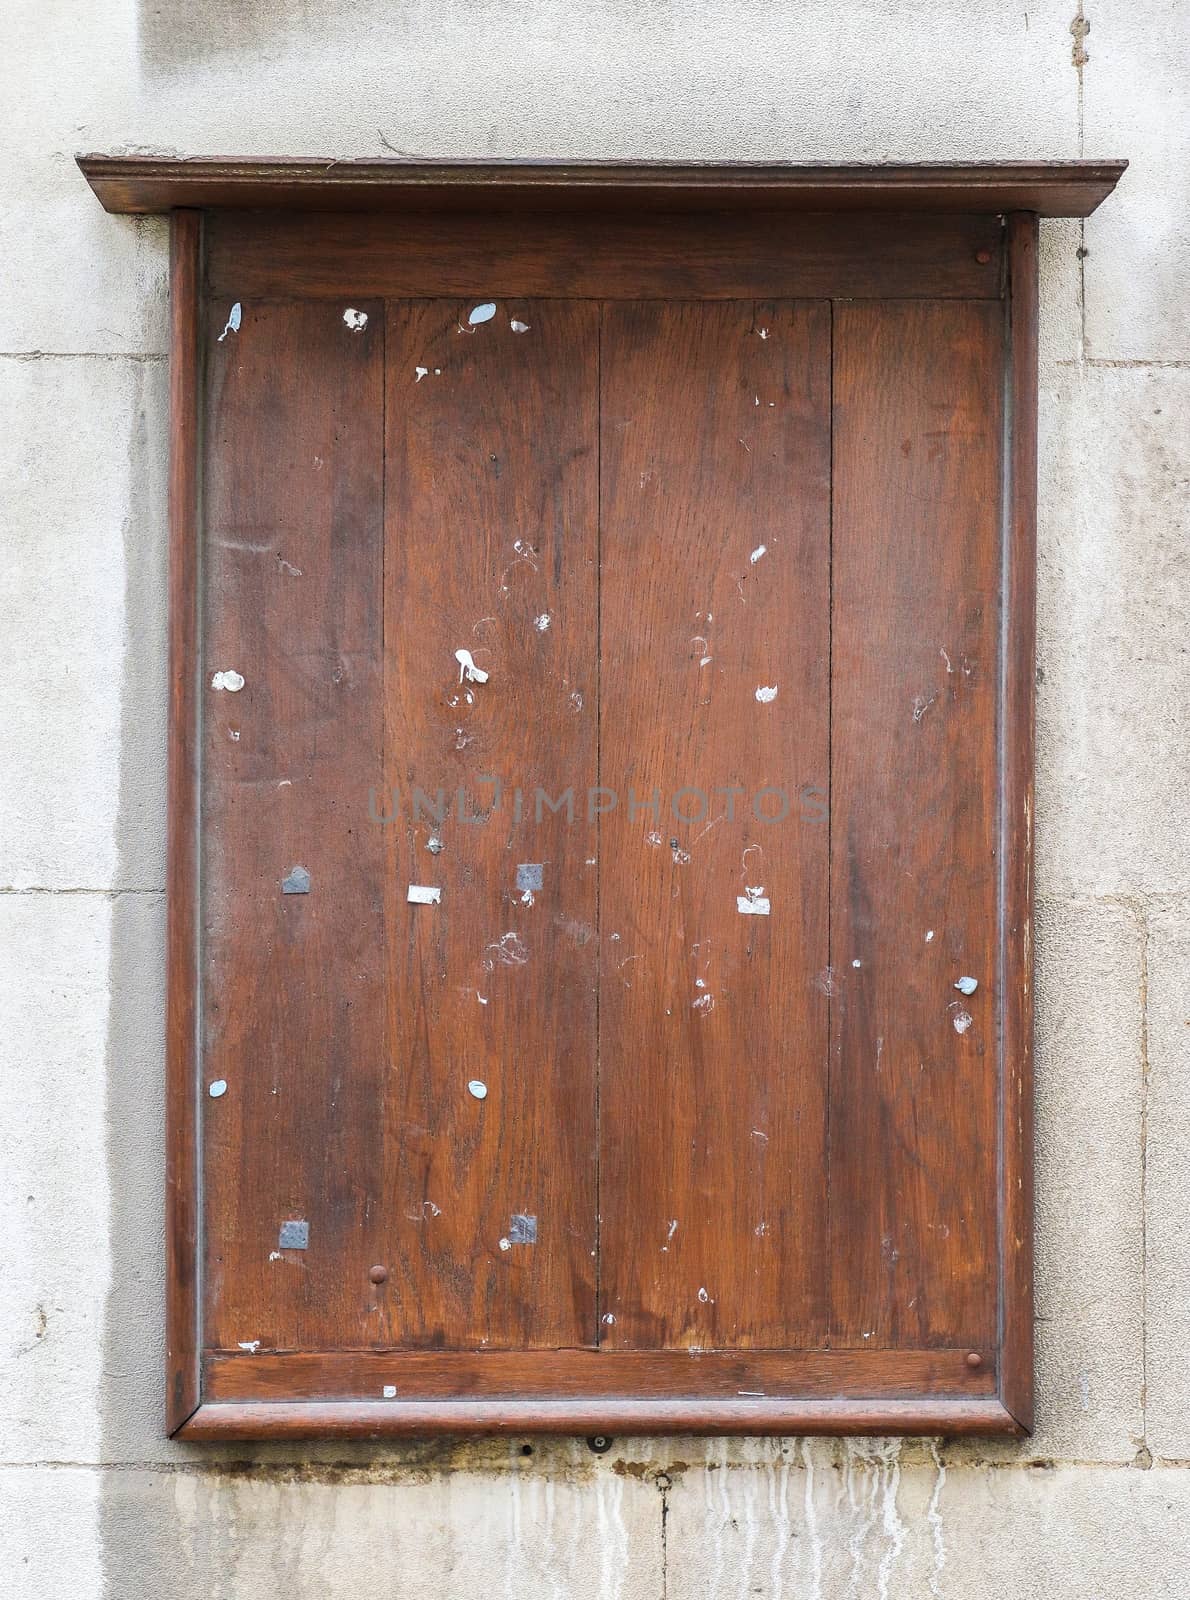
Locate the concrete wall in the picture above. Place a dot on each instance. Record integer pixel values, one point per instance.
(94, 1501)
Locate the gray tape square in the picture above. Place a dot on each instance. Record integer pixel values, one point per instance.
(294, 1235)
(528, 875)
(522, 1229)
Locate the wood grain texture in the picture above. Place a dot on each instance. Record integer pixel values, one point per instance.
(294, 984)
(155, 183)
(715, 444)
(183, 1066)
(557, 1374)
(1018, 678)
(491, 521)
(916, 578)
(644, 257)
(377, 1419)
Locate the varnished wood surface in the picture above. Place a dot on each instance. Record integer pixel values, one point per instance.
(387, 481)
(651, 256)
(294, 984)
(636, 1414)
(715, 556)
(156, 183)
(491, 520)
(756, 1374)
(914, 685)
(1018, 678)
(183, 1060)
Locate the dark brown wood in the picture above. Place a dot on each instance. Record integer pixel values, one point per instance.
(715, 447)
(720, 257)
(1017, 694)
(576, 488)
(914, 689)
(157, 183)
(377, 1419)
(491, 545)
(587, 1374)
(183, 1066)
(294, 985)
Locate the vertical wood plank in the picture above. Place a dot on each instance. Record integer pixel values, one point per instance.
(914, 1097)
(716, 463)
(1017, 650)
(492, 515)
(181, 1171)
(294, 983)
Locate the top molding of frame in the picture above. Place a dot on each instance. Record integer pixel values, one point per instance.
(140, 185)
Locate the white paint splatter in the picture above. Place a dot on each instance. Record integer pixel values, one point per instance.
(506, 1244)
(681, 857)
(357, 321)
(704, 1297)
(468, 671)
(967, 985)
(422, 894)
(705, 661)
(276, 1255)
(576, 701)
(421, 372)
(705, 1003)
(231, 681)
(962, 1021)
(857, 963)
(250, 1345)
(542, 622)
(481, 313)
(929, 935)
(609, 1317)
(288, 567)
(752, 903)
(766, 694)
(762, 333)
(233, 322)
(477, 1089)
(518, 327)
(673, 1227)
(920, 706)
(218, 1089)
(653, 839)
(761, 550)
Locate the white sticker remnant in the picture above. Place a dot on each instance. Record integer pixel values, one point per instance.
(766, 694)
(231, 681)
(542, 622)
(233, 322)
(962, 1021)
(703, 1296)
(929, 935)
(389, 1391)
(506, 1244)
(357, 321)
(468, 671)
(421, 373)
(477, 1089)
(518, 327)
(752, 903)
(761, 550)
(704, 1003)
(218, 1089)
(967, 985)
(481, 313)
(609, 1318)
(250, 1345)
(422, 894)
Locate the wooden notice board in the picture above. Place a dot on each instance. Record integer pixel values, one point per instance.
(601, 752)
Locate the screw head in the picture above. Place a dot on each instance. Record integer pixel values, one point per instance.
(983, 257)
(599, 1443)
(378, 1274)
(974, 1359)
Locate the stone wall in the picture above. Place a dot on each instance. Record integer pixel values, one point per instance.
(94, 1502)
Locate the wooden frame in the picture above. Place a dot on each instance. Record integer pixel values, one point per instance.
(972, 236)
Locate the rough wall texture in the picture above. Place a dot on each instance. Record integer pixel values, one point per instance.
(94, 1501)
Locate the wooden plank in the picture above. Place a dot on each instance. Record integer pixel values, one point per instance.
(916, 577)
(491, 519)
(155, 183)
(714, 555)
(589, 1374)
(294, 983)
(182, 1069)
(377, 1419)
(646, 257)
(1016, 823)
